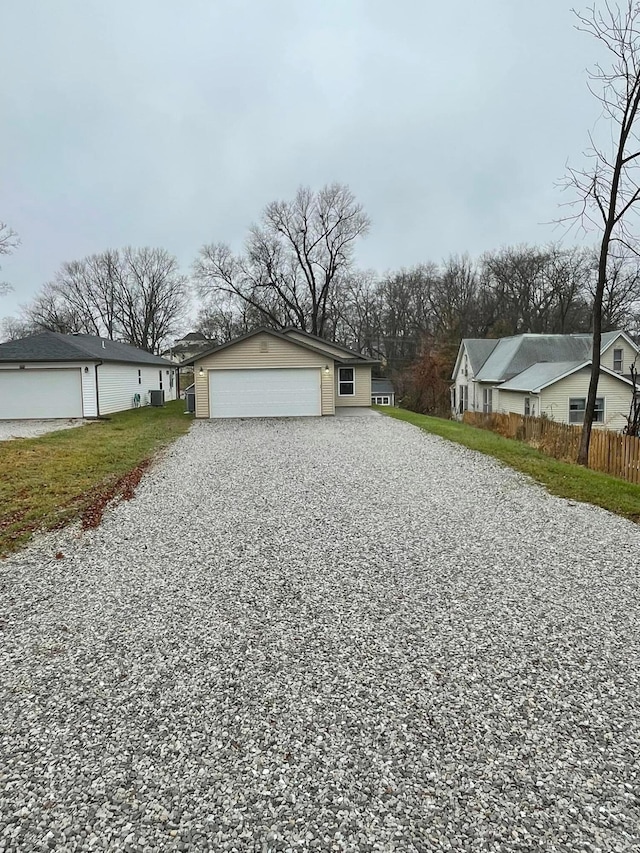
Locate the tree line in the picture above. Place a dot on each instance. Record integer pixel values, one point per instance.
(298, 268)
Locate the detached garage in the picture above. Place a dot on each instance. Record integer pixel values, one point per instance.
(272, 374)
(51, 375)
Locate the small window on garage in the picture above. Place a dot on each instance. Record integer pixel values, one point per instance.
(139, 377)
(346, 382)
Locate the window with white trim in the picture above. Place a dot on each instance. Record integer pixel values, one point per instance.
(382, 401)
(577, 408)
(527, 406)
(160, 379)
(463, 399)
(618, 359)
(487, 400)
(346, 382)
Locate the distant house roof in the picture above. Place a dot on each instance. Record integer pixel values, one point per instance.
(540, 375)
(54, 346)
(513, 355)
(382, 386)
(479, 350)
(193, 337)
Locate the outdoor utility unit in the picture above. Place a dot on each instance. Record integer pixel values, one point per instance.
(157, 398)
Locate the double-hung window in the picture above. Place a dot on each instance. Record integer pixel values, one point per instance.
(463, 401)
(577, 407)
(346, 382)
(618, 359)
(487, 400)
(527, 406)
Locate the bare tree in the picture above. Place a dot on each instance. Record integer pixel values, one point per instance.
(294, 259)
(607, 188)
(14, 328)
(152, 298)
(9, 241)
(138, 296)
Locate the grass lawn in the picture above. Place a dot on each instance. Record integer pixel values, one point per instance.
(60, 477)
(560, 478)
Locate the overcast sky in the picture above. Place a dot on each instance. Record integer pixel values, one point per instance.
(165, 123)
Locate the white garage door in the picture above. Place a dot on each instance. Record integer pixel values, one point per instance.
(269, 393)
(40, 394)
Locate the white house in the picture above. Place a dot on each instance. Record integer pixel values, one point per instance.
(51, 375)
(545, 375)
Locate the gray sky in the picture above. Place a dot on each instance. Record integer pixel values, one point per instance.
(164, 123)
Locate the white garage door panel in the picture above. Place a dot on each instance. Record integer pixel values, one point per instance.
(40, 394)
(269, 393)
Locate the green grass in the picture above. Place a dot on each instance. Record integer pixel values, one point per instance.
(560, 478)
(57, 478)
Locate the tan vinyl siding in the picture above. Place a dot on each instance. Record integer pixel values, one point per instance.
(628, 355)
(362, 395)
(616, 393)
(262, 351)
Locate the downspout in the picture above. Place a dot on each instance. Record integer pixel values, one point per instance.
(97, 394)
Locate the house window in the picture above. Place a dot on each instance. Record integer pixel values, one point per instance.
(139, 377)
(527, 406)
(487, 400)
(618, 357)
(346, 382)
(381, 401)
(463, 399)
(577, 406)
(160, 375)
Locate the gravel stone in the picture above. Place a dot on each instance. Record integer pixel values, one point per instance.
(30, 429)
(324, 634)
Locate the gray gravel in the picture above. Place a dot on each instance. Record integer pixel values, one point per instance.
(33, 428)
(331, 635)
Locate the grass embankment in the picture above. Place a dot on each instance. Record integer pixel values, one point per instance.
(560, 478)
(60, 477)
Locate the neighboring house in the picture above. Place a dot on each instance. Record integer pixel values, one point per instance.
(382, 392)
(287, 373)
(187, 347)
(545, 375)
(51, 375)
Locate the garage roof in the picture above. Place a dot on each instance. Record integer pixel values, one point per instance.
(54, 346)
(314, 345)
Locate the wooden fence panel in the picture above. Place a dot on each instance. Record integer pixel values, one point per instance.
(609, 452)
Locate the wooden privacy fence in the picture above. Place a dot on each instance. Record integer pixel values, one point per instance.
(610, 452)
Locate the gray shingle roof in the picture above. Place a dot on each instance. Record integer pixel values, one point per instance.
(53, 346)
(513, 355)
(539, 375)
(382, 386)
(479, 350)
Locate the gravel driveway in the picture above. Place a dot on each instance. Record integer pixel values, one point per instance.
(33, 428)
(336, 634)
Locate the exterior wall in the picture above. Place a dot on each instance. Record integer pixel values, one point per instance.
(628, 355)
(88, 380)
(513, 401)
(263, 351)
(617, 398)
(118, 383)
(465, 377)
(362, 377)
